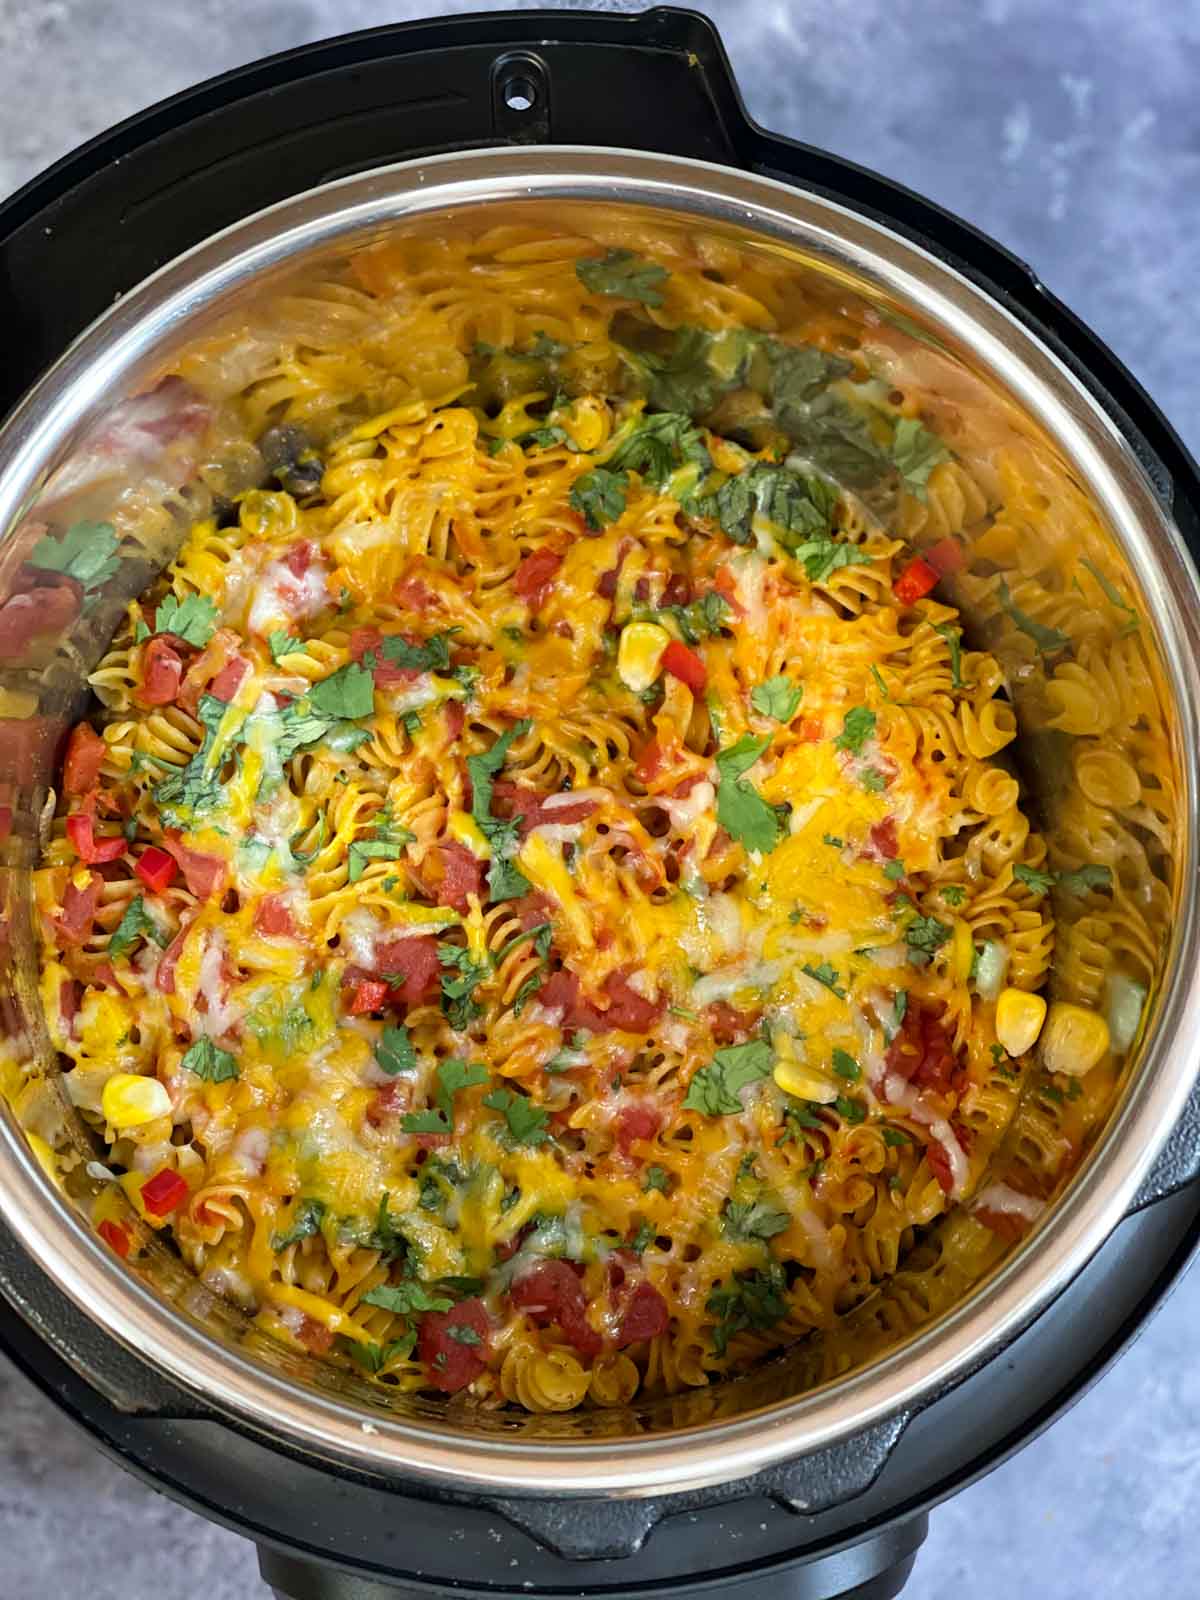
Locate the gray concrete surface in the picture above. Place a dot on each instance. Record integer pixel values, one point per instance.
(1070, 131)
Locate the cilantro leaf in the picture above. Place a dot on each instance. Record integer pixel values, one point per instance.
(715, 1089)
(850, 1110)
(85, 552)
(656, 1178)
(306, 1218)
(349, 692)
(753, 1219)
(924, 936)
(1039, 882)
(659, 444)
(1048, 640)
(825, 974)
(208, 1061)
(846, 1066)
(192, 619)
(406, 1299)
(374, 1357)
(895, 1137)
(953, 638)
(916, 451)
(137, 923)
(953, 894)
(505, 881)
(1086, 878)
(1113, 595)
(700, 619)
(463, 1333)
(777, 697)
(599, 495)
(461, 976)
(451, 1077)
(281, 643)
(432, 656)
(526, 1122)
(899, 1012)
(893, 871)
(823, 557)
(623, 274)
(750, 1300)
(741, 810)
(797, 507)
(858, 725)
(394, 1051)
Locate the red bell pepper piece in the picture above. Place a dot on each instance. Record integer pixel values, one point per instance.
(947, 555)
(156, 868)
(164, 1192)
(915, 582)
(369, 994)
(81, 764)
(80, 831)
(116, 1236)
(686, 665)
(162, 673)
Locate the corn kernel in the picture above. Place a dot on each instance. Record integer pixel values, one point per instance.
(1019, 1018)
(464, 828)
(962, 951)
(639, 655)
(797, 1080)
(1073, 1040)
(128, 1100)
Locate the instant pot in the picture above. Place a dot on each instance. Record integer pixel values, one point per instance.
(758, 1486)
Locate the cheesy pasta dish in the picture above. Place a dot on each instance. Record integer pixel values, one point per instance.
(542, 908)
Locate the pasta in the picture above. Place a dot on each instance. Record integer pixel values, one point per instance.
(531, 913)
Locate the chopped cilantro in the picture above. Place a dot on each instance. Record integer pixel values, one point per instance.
(374, 1357)
(281, 643)
(349, 692)
(833, 840)
(700, 619)
(916, 451)
(623, 274)
(505, 881)
(895, 1137)
(777, 697)
(451, 1077)
(715, 1089)
(1114, 596)
(894, 871)
(899, 1012)
(643, 1237)
(741, 810)
(137, 923)
(192, 619)
(846, 1066)
(406, 1299)
(1085, 879)
(209, 1061)
(656, 1178)
(750, 1300)
(85, 552)
(304, 1221)
(658, 445)
(463, 1333)
(526, 1122)
(953, 894)
(432, 656)
(825, 974)
(394, 1051)
(858, 725)
(953, 638)
(461, 976)
(599, 495)
(850, 1110)
(753, 1219)
(1048, 640)
(924, 936)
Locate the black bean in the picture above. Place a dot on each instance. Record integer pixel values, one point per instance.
(293, 462)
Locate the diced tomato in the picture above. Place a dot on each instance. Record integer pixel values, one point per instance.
(729, 1026)
(677, 591)
(922, 1052)
(626, 1009)
(535, 576)
(454, 1362)
(1007, 1225)
(299, 557)
(726, 586)
(415, 594)
(683, 663)
(946, 556)
(164, 1192)
(811, 730)
(272, 917)
(81, 832)
(414, 959)
(315, 1336)
(511, 799)
(164, 975)
(389, 1100)
(462, 875)
(209, 668)
(883, 839)
(369, 641)
(225, 685)
(116, 1236)
(550, 1291)
(68, 1003)
(367, 995)
(939, 1159)
(84, 757)
(44, 610)
(532, 910)
(6, 821)
(645, 1316)
(456, 718)
(649, 763)
(638, 1120)
(204, 874)
(915, 582)
(156, 868)
(162, 673)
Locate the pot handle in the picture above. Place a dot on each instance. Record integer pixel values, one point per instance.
(1178, 1162)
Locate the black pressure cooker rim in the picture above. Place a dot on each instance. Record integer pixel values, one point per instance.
(168, 176)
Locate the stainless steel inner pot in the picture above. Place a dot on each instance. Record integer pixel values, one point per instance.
(998, 377)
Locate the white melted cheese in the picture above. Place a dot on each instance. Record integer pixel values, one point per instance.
(280, 596)
(1000, 1197)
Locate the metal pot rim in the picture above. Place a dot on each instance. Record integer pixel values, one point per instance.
(127, 335)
